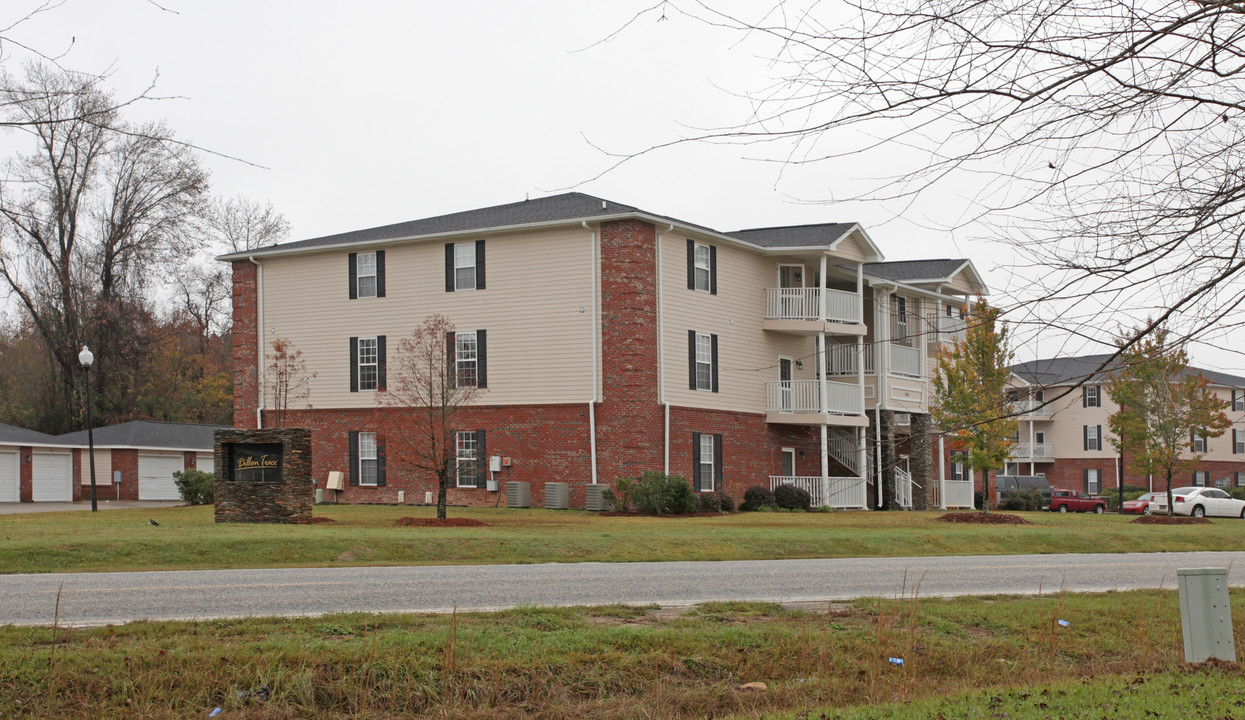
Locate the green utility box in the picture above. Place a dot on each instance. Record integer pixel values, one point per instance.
(1205, 614)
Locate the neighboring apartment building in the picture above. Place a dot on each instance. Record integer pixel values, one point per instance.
(608, 341)
(1063, 431)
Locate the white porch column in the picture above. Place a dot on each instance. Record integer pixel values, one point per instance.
(825, 464)
(860, 339)
(822, 311)
(942, 474)
(823, 380)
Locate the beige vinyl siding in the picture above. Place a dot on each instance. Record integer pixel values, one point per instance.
(747, 355)
(539, 341)
(960, 284)
(103, 467)
(851, 249)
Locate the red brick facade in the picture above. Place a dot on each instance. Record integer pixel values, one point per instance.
(245, 352)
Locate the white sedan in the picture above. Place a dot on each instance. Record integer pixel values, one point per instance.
(1199, 502)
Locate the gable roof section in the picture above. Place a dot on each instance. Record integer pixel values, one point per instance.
(1090, 368)
(148, 434)
(914, 272)
(13, 435)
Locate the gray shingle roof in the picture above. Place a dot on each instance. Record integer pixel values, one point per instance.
(13, 435)
(148, 434)
(795, 235)
(1069, 370)
(568, 206)
(908, 271)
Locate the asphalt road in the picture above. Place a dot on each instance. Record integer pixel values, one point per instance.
(101, 598)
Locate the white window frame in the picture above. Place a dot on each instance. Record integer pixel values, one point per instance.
(368, 465)
(1238, 442)
(901, 317)
(704, 361)
(368, 362)
(1093, 481)
(1199, 443)
(464, 260)
(1093, 396)
(1238, 401)
(788, 453)
(702, 271)
(465, 455)
(365, 269)
(1093, 443)
(706, 463)
(466, 359)
(959, 465)
(1203, 476)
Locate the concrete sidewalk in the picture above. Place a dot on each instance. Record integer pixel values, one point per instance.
(11, 508)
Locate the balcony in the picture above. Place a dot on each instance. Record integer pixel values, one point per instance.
(945, 329)
(799, 310)
(1029, 406)
(835, 492)
(798, 402)
(905, 361)
(1033, 452)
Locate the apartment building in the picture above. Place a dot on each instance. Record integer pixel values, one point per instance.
(1063, 433)
(607, 341)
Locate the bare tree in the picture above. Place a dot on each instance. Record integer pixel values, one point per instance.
(88, 219)
(425, 386)
(288, 378)
(244, 224)
(1102, 140)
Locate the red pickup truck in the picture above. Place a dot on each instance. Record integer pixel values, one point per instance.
(1072, 501)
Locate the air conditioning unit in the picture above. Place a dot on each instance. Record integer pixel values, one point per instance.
(518, 494)
(335, 481)
(903, 419)
(557, 496)
(594, 498)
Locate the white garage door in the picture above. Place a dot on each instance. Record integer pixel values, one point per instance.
(8, 477)
(155, 477)
(51, 477)
(203, 463)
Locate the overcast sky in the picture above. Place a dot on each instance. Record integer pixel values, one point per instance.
(353, 115)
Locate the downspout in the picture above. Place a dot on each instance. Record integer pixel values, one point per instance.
(661, 359)
(259, 334)
(596, 324)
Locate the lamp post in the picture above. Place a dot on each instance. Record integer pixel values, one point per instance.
(86, 358)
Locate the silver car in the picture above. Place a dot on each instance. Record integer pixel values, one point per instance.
(1199, 502)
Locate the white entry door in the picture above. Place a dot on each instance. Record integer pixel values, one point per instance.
(8, 477)
(51, 477)
(155, 476)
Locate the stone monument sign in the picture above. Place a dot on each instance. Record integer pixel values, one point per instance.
(263, 476)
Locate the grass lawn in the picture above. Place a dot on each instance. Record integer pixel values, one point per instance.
(187, 538)
(1120, 656)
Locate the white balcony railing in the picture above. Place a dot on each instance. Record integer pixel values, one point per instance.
(844, 359)
(946, 329)
(905, 361)
(1035, 451)
(805, 304)
(1031, 407)
(958, 494)
(835, 492)
(804, 396)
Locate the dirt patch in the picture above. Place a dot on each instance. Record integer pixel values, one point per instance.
(976, 518)
(320, 520)
(632, 513)
(1164, 520)
(433, 522)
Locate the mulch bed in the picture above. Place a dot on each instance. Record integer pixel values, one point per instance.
(1164, 520)
(433, 522)
(976, 518)
(633, 513)
(318, 520)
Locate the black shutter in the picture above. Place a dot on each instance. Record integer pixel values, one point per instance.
(380, 273)
(1102, 442)
(479, 264)
(380, 362)
(691, 357)
(354, 456)
(696, 460)
(1085, 437)
(691, 264)
(352, 265)
(449, 267)
(380, 459)
(450, 369)
(1084, 396)
(713, 269)
(1085, 479)
(481, 360)
(481, 460)
(714, 367)
(717, 461)
(354, 364)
